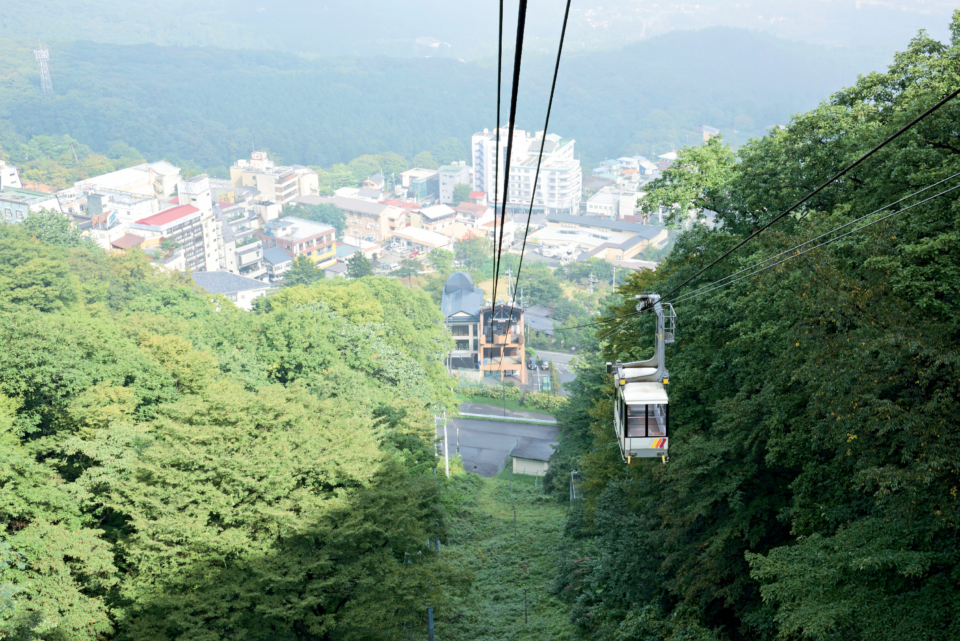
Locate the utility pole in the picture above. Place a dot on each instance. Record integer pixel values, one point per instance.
(430, 622)
(613, 283)
(446, 454)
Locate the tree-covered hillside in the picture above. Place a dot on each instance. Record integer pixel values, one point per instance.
(208, 107)
(172, 467)
(812, 488)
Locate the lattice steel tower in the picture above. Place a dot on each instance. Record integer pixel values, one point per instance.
(42, 56)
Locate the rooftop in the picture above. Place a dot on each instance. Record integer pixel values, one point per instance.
(276, 256)
(347, 204)
(292, 228)
(127, 241)
(647, 231)
(419, 173)
(423, 236)
(225, 282)
(534, 449)
(460, 295)
(168, 216)
(437, 211)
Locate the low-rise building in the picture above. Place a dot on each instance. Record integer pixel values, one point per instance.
(158, 179)
(421, 185)
(16, 204)
(433, 218)
(371, 221)
(241, 290)
(452, 175)
(473, 214)
(531, 456)
(9, 176)
(423, 241)
(276, 262)
(250, 261)
(299, 237)
(603, 204)
(599, 237)
(460, 303)
(275, 184)
(336, 270)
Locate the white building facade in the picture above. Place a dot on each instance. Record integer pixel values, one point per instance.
(559, 186)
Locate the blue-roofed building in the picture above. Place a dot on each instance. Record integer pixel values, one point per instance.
(276, 261)
(461, 305)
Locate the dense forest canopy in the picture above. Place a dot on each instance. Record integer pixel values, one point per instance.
(206, 107)
(812, 489)
(173, 467)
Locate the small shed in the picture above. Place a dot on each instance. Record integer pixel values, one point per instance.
(531, 456)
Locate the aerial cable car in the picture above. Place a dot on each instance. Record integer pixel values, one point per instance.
(641, 416)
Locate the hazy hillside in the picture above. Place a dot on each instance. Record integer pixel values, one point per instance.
(209, 105)
(465, 29)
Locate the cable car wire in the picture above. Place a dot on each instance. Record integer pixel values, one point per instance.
(753, 268)
(536, 176)
(496, 165)
(826, 242)
(518, 53)
(832, 231)
(816, 191)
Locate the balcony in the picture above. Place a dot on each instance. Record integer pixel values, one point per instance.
(493, 364)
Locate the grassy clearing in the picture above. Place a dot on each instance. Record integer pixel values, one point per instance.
(482, 544)
(496, 404)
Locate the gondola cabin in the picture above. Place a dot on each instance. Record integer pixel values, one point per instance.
(641, 411)
(641, 418)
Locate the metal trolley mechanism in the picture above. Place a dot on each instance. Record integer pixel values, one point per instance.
(641, 411)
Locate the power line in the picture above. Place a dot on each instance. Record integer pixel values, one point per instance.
(536, 176)
(518, 53)
(816, 191)
(807, 242)
(496, 162)
(826, 242)
(718, 284)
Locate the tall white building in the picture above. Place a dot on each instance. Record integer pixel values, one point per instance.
(559, 187)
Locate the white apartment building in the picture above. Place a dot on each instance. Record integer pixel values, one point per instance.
(157, 179)
(559, 186)
(452, 175)
(276, 184)
(9, 176)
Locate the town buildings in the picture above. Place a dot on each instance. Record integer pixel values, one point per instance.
(433, 218)
(16, 204)
(559, 185)
(275, 184)
(180, 225)
(421, 185)
(157, 179)
(299, 237)
(582, 237)
(367, 220)
(9, 176)
(460, 304)
(239, 289)
(452, 175)
(423, 240)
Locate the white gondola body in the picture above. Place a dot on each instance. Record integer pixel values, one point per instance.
(641, 417)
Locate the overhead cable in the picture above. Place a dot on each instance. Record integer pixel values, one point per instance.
(816, 191)
(536, 176)
(521, 24)
(496, 162)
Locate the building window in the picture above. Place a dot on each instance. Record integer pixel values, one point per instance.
(465, 344)
(460, 330)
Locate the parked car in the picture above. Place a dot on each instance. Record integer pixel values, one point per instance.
(532, 363)
(544, 365)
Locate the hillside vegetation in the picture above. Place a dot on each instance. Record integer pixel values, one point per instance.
(172, 467)
(812, 489)
(206, 107)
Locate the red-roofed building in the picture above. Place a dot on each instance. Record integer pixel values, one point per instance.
(175, 200)
(478, 197)
(183, 226)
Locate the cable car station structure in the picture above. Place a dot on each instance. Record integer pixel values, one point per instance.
(641, 411)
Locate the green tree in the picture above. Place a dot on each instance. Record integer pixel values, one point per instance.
(441, 260)
(449, 150)
(461, 194)
(33, 274)
(358, 266)
(554, 379)
(425, 159)
(474, 251)
(303, 272)
(326, 214)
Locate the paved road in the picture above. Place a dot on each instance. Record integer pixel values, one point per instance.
(561, 360)
(493, 410)
(484, 444)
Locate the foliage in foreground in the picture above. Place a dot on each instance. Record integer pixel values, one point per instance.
(172, 467)
(812, 489)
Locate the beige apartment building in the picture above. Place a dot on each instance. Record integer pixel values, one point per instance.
(365, 220)
(275, 184)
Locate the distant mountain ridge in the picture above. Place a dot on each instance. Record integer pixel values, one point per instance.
(211, 105)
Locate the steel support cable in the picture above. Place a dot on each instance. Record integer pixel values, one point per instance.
(536, 176)
(720, 282)
(826, 242)
(816, 191)
(832, 231)
(521, 24)
(496, 162)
